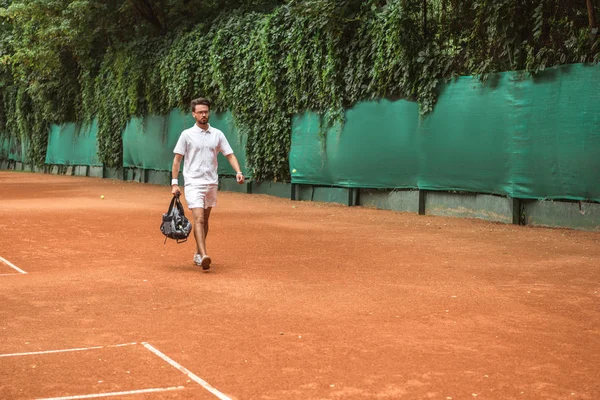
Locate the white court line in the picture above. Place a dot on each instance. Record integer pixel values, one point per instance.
(65, 350)
(92, 396)
(9, 274)
(190, 374)
(5, 261)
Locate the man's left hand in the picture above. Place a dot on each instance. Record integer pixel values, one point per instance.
(240, 178)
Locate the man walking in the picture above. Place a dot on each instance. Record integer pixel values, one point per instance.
(199, 146)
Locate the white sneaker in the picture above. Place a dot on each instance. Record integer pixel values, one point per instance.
(205, 263)
(197, 259)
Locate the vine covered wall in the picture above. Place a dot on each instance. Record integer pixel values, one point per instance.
(265, 61)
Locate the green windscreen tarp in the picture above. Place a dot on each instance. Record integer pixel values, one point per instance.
(4, 148)
(73, 144)
(7, 149)
(149, 142)
(557, 134)
(375, 148)
(13, 149)
(225, 123)
(514, 135)
(20, 150)
(465, 144)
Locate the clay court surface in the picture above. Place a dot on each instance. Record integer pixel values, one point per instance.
(303, 301)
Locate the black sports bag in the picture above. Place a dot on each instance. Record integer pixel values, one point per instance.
(174, 223)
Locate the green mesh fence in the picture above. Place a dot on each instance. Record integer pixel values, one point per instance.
(4, 148)
(73, 144)
(20, 150)
(148, 142)
(466, 144)
(557, 134)
(518, 136)
(225, 123)
(13, 149)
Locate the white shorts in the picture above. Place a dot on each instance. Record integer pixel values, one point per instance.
(201, 196)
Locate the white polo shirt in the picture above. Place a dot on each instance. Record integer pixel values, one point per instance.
(200, 148)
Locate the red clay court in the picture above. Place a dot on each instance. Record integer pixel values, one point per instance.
(303, 301)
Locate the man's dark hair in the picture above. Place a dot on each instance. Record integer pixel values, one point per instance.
(200, 100)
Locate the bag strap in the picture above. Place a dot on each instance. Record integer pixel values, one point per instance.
(179, 206)
(173, 201)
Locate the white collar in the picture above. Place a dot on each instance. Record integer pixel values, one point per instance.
(208, 130)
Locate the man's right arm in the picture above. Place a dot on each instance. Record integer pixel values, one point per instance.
(175, 174)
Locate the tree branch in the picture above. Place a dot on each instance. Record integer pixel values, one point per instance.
(591, 15)
(425, 18)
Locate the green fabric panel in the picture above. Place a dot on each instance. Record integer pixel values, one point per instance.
(20, 150)
(4, 144)
(465, 143)
(376, 148)
(514, 135)
(149, 142)
(225, 122)
(557, 118)
(73, 144)
(4, 148)
(308, 160)
(12, 149)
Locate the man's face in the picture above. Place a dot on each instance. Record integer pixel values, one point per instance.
(201, 114)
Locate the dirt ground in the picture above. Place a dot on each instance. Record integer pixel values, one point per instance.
(303, 300)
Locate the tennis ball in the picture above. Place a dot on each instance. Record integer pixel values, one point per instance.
(294, 171)
(102, 196)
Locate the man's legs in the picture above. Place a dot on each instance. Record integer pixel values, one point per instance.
(206, 216)
(201, 199)
(201, 216)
